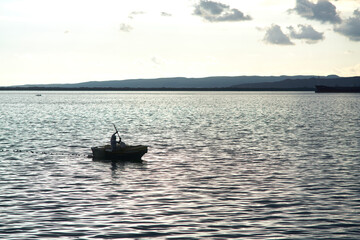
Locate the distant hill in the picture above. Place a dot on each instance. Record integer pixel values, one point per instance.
(303, 83)
(179, 82)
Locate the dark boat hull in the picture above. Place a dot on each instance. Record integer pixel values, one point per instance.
(133, 153)
(327, 89)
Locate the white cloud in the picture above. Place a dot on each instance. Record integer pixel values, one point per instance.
(125, 27)
(135, 13)
(165, 14)
(157, 60)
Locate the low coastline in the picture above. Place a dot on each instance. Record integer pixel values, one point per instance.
(149, 89)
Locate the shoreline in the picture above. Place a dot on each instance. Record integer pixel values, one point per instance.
(151, 89)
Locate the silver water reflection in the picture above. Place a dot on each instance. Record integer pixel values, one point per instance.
(251, 165)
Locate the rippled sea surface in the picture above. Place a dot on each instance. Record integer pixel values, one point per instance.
(221, 165)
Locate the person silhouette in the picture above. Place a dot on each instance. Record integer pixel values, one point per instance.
(113, 141)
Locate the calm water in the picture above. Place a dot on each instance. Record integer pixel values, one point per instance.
(221, 165)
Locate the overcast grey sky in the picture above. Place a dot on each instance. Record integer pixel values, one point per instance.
(72, 41)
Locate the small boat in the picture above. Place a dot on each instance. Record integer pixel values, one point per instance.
(131, 153)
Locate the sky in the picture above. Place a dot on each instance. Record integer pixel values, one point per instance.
(71, 41)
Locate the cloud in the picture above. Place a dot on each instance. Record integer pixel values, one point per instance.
(218, 12)
(307, 33)
(274, 35)
(156, 60)
(350, 27)
(165, 14)
(323, 11)
(135, 13)
(125, 27)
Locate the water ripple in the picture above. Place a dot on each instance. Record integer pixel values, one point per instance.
(220, 166)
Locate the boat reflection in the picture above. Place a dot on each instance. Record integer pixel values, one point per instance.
(123, 164)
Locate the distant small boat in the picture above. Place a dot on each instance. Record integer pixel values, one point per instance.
(132, 153)
(38, 95)
(328, 89)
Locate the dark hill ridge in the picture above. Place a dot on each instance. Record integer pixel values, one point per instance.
(303, 83)
(179, 82)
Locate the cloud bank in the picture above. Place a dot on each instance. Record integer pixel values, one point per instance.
(350, 27)
(307, 33)
(219, 12)
(323, 11)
